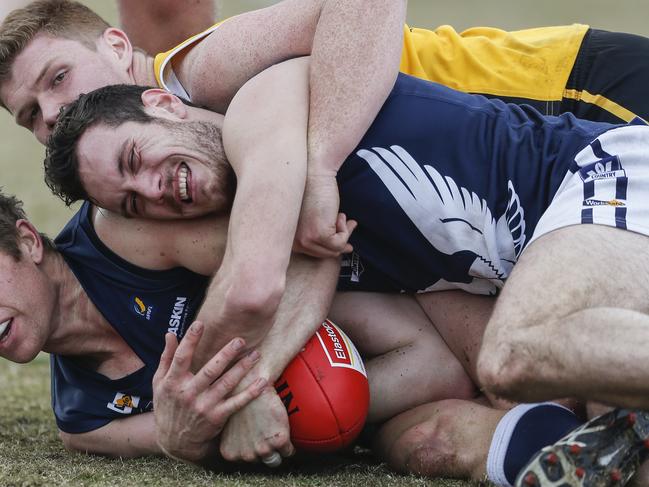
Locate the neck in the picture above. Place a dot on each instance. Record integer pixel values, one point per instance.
(77, 327)
(142, 69)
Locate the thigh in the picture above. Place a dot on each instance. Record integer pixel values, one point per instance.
(575, 268)
(407, 361)
(379, 323)
(460, 318)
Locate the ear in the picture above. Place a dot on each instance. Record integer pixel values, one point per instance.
(119, 46)
(29, 241)
(164, 104)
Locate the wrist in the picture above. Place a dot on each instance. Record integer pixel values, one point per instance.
(316, 171)
(196, 453)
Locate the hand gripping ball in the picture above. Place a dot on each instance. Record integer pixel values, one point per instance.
(325, 391)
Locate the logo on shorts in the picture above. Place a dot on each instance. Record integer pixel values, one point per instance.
(142, 309)
(124, 403)
(608, 168)
(592, 202)
(352, 267)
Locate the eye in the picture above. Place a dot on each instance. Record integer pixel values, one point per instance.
(33, 113)
(131, 159)
(59, 78)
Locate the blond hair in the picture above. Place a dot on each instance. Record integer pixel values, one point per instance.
(58, 18)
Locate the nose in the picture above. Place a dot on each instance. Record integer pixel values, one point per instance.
(50, 111)
(148, 185)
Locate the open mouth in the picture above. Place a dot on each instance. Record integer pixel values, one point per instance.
(5, 328)
(184, 180)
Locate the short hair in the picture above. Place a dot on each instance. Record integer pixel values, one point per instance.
(11, 210)
(58, 18)
(111, 105)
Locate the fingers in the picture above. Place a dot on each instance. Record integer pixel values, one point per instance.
(230, 380)
(182, 358)
(330, 245)
(287, 450)
(233, 404)
(171, 344)
(213, 369)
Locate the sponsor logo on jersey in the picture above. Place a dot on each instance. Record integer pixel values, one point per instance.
(124, 403)
(141, 308)
(593, 202)
(609, 168)
(178, 315)
(351, 267)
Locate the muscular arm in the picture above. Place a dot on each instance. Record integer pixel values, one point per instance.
(158, 25)
(354, 67)
(343, 35)
(354, 64)
(268, 154)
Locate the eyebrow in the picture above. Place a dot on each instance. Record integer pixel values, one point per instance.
(44, 71)
(21, 113)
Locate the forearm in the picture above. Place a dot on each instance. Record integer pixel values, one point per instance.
(130, 437)
(268, 155)
(311, 284)
(354, 66)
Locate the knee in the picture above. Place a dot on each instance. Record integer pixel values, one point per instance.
(422, 449)
(504, 367)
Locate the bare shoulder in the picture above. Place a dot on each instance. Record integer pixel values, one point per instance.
(279, 99)
(197, 244)
(243, 46)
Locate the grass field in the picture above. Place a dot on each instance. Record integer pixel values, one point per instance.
(32, 455)
(30, 452)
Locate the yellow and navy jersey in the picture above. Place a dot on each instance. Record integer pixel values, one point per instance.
(164, 73)
(596, 75)
(532, 64)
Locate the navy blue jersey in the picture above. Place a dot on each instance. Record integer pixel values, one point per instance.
(448, 188)
(142, 305)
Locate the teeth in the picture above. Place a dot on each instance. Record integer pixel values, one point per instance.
(182, 181)
(3, 327)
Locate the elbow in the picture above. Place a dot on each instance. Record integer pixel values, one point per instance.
(255, 297)
(72, 444)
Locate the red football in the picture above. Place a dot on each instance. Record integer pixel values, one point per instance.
(325, 392)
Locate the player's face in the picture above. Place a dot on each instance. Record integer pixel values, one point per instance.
(155, 170)
(52, 72)
(26, 303)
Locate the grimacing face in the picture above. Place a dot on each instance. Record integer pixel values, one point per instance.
(26, 305)
(160, 170)
(52, 72)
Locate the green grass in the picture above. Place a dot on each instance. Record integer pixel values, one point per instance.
(32, 455)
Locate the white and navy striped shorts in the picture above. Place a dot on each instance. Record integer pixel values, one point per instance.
(608, 184)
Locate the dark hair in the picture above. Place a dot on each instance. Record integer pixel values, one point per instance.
(57, 18)
(11, 210)
(110, 105)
